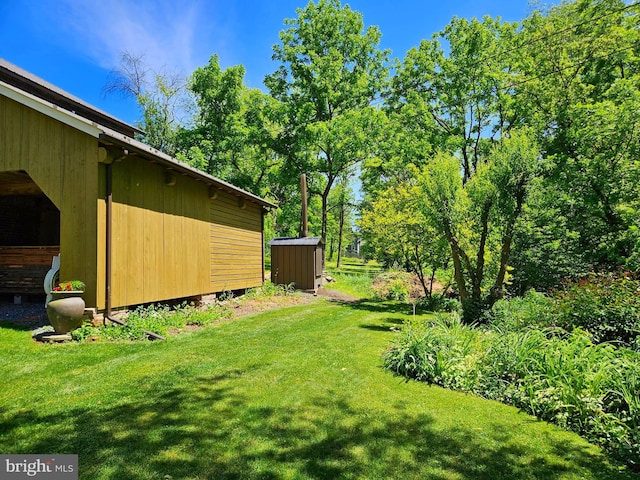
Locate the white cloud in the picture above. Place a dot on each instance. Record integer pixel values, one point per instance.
(172, 35)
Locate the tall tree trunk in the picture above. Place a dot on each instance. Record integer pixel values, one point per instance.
(478, 275)
(458, 271)
(420, 272)
(325, 201)
(341, 227)
(458, 274)
(497, 290)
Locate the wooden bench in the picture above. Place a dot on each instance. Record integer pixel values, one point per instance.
(22, 269)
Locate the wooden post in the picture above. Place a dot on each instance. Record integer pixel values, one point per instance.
(304, 230)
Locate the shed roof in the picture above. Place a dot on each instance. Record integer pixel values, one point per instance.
(108, 129)
(311, 241)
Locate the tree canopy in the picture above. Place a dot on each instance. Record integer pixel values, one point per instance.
(331, 71)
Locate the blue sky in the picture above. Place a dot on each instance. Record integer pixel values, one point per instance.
(74, 44)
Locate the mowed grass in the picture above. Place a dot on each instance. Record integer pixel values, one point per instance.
(294, 393)
(353, 277)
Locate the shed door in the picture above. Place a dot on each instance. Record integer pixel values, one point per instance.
(318, 266)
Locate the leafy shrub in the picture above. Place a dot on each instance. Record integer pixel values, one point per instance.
(439, 303)
(534, 309)
(633, 238)
(393, 285)
(607, 306)
(84, 332)
(130, 331)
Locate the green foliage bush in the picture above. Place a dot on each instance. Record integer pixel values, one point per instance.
(533, 310)
(439, 303)
(84, 332)
(559, 377)
(393, 285)
(607, 306)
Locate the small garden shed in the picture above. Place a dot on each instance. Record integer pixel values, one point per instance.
(134, 224)
(297, 261)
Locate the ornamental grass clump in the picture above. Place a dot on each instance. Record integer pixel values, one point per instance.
(443, 352)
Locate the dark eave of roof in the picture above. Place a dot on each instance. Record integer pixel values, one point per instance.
(151, 154)
(27, 82)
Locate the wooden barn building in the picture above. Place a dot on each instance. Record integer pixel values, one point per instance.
(134, 224)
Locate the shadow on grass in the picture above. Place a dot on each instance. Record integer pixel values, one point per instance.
(386, 325)
(206, 428)
(379, 306)
(379, 328)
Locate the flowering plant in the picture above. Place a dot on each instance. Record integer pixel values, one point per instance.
(71, 285)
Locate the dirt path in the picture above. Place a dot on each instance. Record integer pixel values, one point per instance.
(335, 295)
(250, 306)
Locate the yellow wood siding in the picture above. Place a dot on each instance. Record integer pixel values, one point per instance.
(236, 244)
(63, 163)
(160, 235)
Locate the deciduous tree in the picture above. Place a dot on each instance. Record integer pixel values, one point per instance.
(478, 218)
(331, 71)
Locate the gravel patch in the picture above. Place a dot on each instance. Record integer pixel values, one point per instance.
(27, 314)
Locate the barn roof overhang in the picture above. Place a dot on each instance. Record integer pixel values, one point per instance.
(110, 137)
(43, 97)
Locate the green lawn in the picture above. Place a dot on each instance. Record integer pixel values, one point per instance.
(353, 277)
(294, 393)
